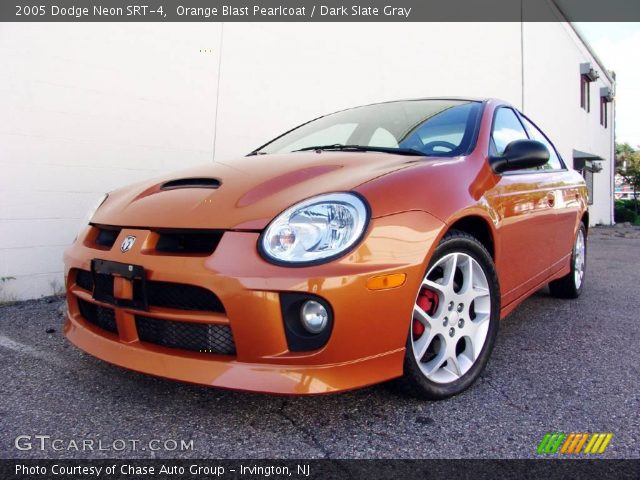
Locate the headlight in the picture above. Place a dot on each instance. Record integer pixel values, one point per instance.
(94, 208)
(316, 229)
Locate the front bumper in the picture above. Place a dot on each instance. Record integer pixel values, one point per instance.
(370, 326)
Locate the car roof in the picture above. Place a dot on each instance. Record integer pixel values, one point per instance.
(495, 101)
(454, 98)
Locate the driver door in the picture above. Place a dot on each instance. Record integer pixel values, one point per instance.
(523, 202)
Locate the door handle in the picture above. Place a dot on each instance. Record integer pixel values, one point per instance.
(551, 199)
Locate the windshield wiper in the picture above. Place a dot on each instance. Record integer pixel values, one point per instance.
(363, 148)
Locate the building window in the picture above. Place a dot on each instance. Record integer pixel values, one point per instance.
(587, 75)
(606, 97)
(603, 112)
(584, 92)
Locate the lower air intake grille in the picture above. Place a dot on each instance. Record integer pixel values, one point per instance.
(196, 337)
(179, 296)
(84, 280)
(103, 283)
(102, 317)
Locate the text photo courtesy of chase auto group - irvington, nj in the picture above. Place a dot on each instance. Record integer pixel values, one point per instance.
(319, 239)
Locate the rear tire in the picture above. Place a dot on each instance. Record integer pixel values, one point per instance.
(572, 284)
(455, 320)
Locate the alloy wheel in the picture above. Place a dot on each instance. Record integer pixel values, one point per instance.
(451, 318)
(579, 259)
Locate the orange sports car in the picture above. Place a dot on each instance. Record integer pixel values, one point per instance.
(379, 242)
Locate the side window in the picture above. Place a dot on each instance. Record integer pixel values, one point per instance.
(554, 162)
(506, 129)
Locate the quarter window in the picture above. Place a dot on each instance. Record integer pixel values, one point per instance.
(554, 162)
(506, 129)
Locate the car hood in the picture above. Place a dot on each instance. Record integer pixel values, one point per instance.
(252, 190)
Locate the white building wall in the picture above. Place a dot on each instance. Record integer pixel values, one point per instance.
(86, 108)
(276, 76)
(90, 107)
(552, 57)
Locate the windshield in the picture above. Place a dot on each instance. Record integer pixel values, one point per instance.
(428, 127)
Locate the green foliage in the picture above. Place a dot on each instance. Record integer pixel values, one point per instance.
(629, 204)
(622, 214)
(6, 279)
(628, 167)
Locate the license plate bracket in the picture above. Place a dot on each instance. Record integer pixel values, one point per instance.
(133, 273)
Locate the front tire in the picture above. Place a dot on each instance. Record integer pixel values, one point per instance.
(455, 320)
(571, 285)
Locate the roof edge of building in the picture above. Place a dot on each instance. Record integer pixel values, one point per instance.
(587, 45)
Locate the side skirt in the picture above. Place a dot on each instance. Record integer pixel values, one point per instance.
(557, 270)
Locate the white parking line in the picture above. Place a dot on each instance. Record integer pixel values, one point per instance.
(8, 343)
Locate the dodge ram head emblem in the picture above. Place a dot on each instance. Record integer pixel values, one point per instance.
(127, 243)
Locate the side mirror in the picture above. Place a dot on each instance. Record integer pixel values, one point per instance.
(520, 154)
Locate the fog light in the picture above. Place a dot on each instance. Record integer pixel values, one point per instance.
(314, 316)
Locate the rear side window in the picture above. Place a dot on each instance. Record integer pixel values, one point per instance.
(506, 129)
(554, 162)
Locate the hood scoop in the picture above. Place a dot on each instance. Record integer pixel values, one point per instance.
(195, 182)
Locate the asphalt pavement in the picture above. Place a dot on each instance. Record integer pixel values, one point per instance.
(558, 365)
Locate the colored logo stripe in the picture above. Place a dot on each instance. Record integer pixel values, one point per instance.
(574, 443)
(550, 442)
(598, 443)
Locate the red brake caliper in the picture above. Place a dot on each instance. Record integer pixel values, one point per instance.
(427, 301)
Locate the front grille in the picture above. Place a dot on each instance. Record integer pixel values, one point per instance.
(192, 241)
(188, 242)
(179, 296)
(195, 337)
(103, 282)
(99, 316)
